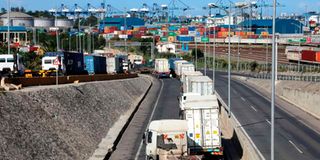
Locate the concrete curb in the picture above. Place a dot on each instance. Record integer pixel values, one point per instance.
(110, 142)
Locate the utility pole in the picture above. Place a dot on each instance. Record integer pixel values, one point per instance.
(8, 18)
(229, 61)
(273, 75)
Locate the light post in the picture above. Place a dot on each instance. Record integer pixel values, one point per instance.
(229, 50)
(273, 75)
(299, 50)
(8, 18)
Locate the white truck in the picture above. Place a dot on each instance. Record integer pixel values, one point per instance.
(166, 139)
(7, 62)
(177, 67)
(202, 116)
(198, 84)
(161, 68)
(186, 67)
(188, 74)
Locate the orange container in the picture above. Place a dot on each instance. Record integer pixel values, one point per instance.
(318, 56)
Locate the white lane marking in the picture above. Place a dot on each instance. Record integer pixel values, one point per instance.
(254, 108)
(243, 99)
(268, 121)
(295, 146)
(154, 109)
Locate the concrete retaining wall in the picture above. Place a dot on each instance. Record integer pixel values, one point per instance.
(65, 122)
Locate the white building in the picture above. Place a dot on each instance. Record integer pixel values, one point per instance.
(166, 48)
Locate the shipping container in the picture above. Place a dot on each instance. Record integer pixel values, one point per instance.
(111, 65)
(186, 67)
(173, 28)
(189, 74)
(161, 68)
(177, 66)
(185, 38)
(192, 28)
(72, 62)
(204, 133)
(200, 84)
(95, 64)
(307, 55)
(318, 56)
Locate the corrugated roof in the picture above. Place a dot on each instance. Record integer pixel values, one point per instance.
(16, 15)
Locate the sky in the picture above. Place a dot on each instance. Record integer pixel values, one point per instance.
(291, 6)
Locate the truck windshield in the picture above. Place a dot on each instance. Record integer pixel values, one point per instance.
(2, 60)
(47, 61)
(166, 144)
(10, 60)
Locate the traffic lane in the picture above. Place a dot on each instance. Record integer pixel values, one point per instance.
(131, 139)
(167, 106)
(297, 135)
(289, 132)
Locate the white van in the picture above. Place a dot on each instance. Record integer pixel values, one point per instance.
(47, 63)
(7, 64)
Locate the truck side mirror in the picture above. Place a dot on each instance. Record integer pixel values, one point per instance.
(149, 140)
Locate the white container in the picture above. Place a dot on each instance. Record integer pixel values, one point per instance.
(202, 116)
(111, 65)
(188, 74)
(161, 66)
(186, 67)
(200, 84)
(177, 65)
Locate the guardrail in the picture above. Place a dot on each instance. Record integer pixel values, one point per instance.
(306, 78)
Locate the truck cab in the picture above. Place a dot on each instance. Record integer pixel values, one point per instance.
(166, 139)
(7, 64)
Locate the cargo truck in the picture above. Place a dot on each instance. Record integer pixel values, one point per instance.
(161, 68)
(9, 64)
(198, 84)
(186, 67)
(166, 139)
(177, 67)
(186, 75)
(202, 116)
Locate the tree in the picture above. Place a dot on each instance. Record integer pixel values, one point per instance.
(3, 10)
(199, 53)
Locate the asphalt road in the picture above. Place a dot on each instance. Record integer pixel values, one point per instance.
(293, 139)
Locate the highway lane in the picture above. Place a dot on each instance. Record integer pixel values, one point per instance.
(293, 140)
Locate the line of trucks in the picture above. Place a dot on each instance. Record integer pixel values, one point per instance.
(72, 63)
(197, 133)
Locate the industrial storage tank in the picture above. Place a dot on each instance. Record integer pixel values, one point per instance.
(43, 22)
(18, 19)
(63, 23)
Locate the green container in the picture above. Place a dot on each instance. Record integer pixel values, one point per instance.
(204, 39)
(172, 34)
(164, 39)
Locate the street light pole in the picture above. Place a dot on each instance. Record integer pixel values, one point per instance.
(205, 49)
(273, 76)
(229, 62)
(8, 34)
(214, 58)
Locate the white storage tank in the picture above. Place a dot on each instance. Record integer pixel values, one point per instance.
(18, 19)
(43, 22)
(63, 23)
(200, 84)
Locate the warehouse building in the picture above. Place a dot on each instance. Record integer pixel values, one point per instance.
(283, 26)
(121, 22)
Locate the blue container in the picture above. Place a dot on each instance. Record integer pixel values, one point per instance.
(185, 38)
(72, 62)
(171, 63)
(173, 28)
(95, 64)
(192, 28)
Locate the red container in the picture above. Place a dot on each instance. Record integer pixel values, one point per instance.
(253, 36)
(318, 56)
(224, 29)
(215, 28)
(137, 36)
(307, 55)
(184, 32)
(165, 34)
(212, 36)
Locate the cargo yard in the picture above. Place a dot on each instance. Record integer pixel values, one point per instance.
(177, 80)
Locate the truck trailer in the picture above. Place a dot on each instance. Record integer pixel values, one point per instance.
(161, 68)
(202, 116)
